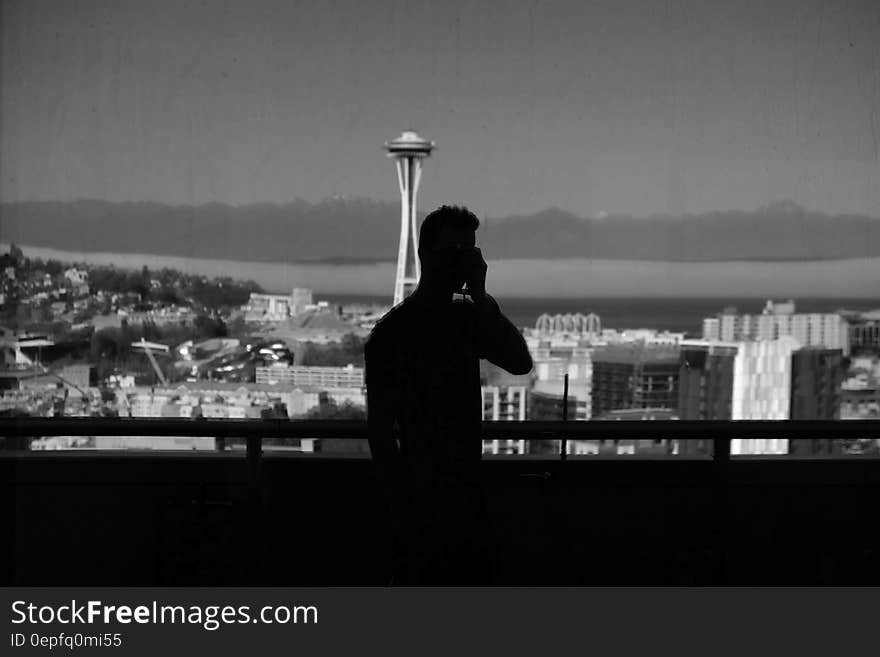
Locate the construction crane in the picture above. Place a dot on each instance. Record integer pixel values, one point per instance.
(69, 383)
(148, 348)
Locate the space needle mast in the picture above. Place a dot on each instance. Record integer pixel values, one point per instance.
(408, 150)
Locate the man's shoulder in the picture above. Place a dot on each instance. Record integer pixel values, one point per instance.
(389, 327)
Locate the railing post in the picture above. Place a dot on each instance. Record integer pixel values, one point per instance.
(255, 555)
(254, 458)
(563, 446)
(721, 506)
(721, 450)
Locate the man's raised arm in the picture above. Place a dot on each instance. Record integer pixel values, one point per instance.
(498, 340)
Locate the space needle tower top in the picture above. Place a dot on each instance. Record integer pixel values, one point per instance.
(409, 144)
(408, 151)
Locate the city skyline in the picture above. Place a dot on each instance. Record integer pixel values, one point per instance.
(628, 108)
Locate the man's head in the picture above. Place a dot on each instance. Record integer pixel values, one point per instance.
(445, 239)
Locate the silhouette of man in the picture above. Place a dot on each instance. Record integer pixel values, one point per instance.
(425, 408)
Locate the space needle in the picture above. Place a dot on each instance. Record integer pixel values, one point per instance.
(408, 150)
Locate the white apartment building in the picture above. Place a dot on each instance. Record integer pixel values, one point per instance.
(299, 375)
(762, 379)
(761, 387)
(505, 403)
(552, 363)
(268, 307)
(828, 330)
(278, 307)
(711, 328)
(145, 404)
(238, 399)
(300, 300)
(567, 340)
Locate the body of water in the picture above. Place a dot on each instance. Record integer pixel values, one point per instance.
(670, 314)
(624, 293)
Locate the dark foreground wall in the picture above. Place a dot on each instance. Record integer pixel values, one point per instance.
(91, 519)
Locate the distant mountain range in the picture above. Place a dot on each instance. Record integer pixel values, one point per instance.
(341, 230)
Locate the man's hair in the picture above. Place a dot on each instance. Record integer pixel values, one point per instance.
(449, 215)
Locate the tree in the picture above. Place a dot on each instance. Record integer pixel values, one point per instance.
(54, 268)
(168, 294)
(352, 344)
(108, 347)
(209, 327)
(237, 327)
(330, 410)
(349, 350)
(136, 283)
(16, 255)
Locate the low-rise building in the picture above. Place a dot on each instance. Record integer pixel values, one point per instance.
(504, 403)
(333, 377)
(278, 307)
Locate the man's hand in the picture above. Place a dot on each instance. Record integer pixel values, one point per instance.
(476, 279)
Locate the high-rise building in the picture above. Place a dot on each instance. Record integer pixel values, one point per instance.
(762, 380)
(705, 387)
(777, 320)
(738, 381)
(864, 332)
(762, 391)
(705, 384)
(504, 403)
(711, 328)
(729, 325)
(816, 378)
(550, 367)
(546, 402)
(634, 376)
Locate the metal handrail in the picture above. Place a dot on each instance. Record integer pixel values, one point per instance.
(720, 432)
(526, 430)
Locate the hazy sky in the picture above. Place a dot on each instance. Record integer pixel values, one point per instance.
(615, 106)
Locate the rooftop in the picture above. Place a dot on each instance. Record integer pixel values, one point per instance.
(636, 353)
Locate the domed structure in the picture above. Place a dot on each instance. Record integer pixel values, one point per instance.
(578, 323)
(409, 143)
